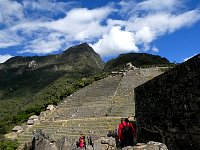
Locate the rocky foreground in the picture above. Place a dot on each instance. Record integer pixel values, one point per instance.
(42, 141)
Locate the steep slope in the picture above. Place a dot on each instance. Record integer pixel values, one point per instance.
(137, 59)
(35, 73)
(29, 82)
(97, 107)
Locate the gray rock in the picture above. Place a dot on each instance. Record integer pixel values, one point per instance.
(112, 142)
(104, 140)
(41, 141)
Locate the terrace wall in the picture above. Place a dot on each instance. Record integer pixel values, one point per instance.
(168, 107)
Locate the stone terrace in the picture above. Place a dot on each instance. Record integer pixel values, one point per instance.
(97, 107)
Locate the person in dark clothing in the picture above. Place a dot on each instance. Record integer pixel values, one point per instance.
(126, 133)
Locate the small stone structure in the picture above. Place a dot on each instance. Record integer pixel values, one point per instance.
(32, 64)
(17, 129)
(34, 118)
(30, 122)
(50, 108)
(114, 73)
(168, 107)
(129, 66)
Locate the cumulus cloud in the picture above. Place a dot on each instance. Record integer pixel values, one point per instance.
(152, 26)
(115, 42)
(5, 57)
(137, 25)
(78, 25)
(82, 24)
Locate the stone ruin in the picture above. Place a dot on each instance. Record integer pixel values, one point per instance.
(168, 107)
(97, 107)
(123, 72)
(32, 64)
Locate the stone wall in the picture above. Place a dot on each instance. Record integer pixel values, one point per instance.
(168, 107)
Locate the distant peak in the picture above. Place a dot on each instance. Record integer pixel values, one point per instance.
(83, 45)
(80, 48)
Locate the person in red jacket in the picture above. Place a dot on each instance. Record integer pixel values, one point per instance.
(82, 144)
(126, 133)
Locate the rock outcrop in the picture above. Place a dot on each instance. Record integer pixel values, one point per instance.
(41, 141)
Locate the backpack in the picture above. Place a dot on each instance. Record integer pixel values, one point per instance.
(126, 131)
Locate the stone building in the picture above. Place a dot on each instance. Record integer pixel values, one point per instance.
(34, 118)
(50, 108)
(17, 129)
(32, 64)
(168, 107)
(30, 122)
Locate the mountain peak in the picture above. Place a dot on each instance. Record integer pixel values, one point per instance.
(84, 47)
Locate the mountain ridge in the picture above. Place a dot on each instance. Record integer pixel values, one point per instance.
(73, 53)
(137, 59)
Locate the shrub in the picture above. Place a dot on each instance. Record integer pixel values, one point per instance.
(8, 144)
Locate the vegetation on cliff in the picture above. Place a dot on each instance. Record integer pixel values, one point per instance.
(137, 59)
(29, 84)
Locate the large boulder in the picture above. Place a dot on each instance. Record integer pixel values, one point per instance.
(41, 140)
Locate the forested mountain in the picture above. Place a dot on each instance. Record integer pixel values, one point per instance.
(137, 59)
(29, 84)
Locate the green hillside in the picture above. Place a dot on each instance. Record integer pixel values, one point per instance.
(29, 84)
(137, 59)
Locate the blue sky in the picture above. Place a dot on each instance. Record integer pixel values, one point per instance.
(169, 28)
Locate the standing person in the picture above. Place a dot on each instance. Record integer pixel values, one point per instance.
(118, 142)
(126, 133)
(82, 143)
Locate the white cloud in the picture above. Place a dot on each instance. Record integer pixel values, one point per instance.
(144, 35)
(159, 5)
(115, 42)
(82, 24)
(43, 45)
(189, 57)
(78, 24)
(152, 26)
(47, 5)
(8, 38)
(11, 12)
(155, 49)
(141, 24)
(5, 57)
(48, 8)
